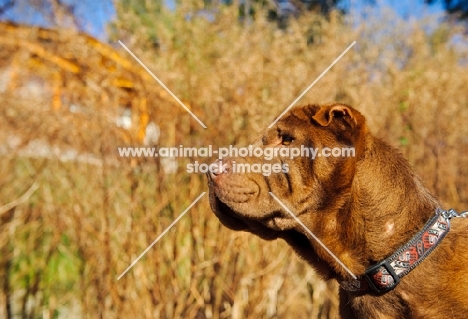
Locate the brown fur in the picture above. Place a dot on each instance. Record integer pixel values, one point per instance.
(363, 208)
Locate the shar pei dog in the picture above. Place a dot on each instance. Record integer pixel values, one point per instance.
(364, 219)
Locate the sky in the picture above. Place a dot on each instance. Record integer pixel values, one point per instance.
(406, 9)
(96, 14)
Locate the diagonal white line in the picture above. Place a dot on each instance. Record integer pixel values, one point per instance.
(160, 236)
(162, 84)
(313, 83)
(314, 237)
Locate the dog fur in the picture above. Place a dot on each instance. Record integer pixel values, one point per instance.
(363, 208)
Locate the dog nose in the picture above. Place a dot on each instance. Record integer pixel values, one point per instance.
(220, 167)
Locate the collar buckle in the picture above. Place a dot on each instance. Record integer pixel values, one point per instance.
(451, 213)
(381, 277)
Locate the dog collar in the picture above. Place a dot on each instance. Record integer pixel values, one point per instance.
(385, 276)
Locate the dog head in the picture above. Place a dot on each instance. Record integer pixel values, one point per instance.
(309, 184)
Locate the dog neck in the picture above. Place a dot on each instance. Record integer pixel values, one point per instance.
(379, 213)
(392, 202)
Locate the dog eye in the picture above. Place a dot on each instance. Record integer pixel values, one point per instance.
(286, 140)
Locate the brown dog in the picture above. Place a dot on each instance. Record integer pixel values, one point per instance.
(364, 208)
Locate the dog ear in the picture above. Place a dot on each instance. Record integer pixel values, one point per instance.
(328, 113)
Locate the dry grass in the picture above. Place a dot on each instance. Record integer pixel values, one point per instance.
(63, 249)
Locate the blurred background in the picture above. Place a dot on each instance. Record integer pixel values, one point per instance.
(74, 215)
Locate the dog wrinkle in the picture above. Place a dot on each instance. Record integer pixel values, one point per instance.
(330, 225)
(405, 296)
(281, 223)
